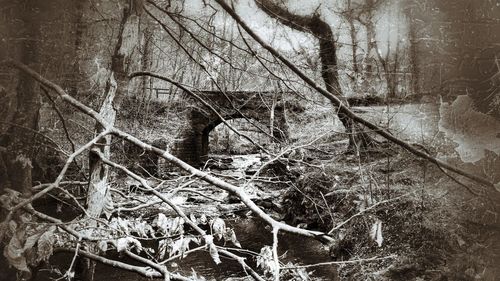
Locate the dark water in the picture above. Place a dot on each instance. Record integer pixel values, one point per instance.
(251, 233)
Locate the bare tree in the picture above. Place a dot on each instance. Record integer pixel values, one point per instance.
(98, 194)
(16, 143)
(33, 235)
(316, 26)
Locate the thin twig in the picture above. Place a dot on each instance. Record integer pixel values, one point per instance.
(239, 192)
(339, 262)
(342, 108)
(61, 117)
(366, 210)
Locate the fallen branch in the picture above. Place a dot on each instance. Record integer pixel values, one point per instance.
(198, 98)
(343, 108)
(238, 191)
(208, 238)
(142, 270)
(3, 225)
(340, 262)
(243, 264)
(280, 155)
(366, 210)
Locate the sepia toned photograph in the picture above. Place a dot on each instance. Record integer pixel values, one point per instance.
(238, 140)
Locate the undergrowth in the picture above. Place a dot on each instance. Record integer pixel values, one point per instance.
(385, 191)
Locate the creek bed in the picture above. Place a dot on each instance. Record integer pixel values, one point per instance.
(253, 235)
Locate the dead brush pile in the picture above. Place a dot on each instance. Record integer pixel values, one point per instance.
(376, 205)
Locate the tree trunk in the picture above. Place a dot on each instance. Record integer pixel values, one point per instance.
(19, 140)
(116, 87)
(99, 172)
(415, 71)
(354, 44)
(327, 53)
(271, 118)
(20, 99)
(79, 27)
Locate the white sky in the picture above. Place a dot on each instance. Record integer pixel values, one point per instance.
(286, 39)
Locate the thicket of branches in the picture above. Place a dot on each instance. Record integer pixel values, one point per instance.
(202, 53)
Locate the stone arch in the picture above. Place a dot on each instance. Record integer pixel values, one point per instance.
(280, 132)
(193, 141)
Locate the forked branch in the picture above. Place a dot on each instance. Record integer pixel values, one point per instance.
(237, 191)
(343, 108)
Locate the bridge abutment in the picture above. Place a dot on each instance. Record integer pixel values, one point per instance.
(193, 142)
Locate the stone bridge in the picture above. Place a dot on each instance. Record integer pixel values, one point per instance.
(193, 142)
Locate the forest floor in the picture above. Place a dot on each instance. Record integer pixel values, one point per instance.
(431, 227)
(382, 203)
(436, 228)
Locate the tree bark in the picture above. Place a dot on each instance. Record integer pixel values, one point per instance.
(19, 139)
(415, 71)
(116, 87)
(21, 101)
(354, 42)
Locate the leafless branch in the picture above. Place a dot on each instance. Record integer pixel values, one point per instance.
(346, 110)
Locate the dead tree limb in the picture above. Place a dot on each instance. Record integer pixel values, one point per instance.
(198, 98)
(62, 173)
(323, 32)
(237, 191)
(208, 238)
(142, 270)
(345, 109)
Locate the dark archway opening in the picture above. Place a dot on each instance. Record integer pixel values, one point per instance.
(256, 121)
(218, 138)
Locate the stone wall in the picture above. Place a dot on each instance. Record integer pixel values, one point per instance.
(192, 146)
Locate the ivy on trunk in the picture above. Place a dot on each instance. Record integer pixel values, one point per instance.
(316, 26)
